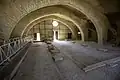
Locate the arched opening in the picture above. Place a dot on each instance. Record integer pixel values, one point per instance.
(49, 32)
(100, 28)
(67, 23)
(92, 33)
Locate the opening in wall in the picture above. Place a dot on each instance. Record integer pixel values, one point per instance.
(38, 36)
(55, 35)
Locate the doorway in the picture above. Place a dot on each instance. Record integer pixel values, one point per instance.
(69, 35)
(35, 36)
(38, 36)
(55, 35)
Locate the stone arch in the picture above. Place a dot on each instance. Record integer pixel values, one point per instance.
(60, 12)
(69, 24)
(99, 20)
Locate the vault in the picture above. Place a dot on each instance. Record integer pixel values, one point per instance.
(98, 18)
(41, 13)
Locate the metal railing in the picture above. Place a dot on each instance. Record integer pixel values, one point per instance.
(11, 48)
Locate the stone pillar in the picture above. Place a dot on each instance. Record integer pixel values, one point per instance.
(94, 36)
(85, 30)
(74, 34)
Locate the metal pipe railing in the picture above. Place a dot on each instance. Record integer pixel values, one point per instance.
(9, 49)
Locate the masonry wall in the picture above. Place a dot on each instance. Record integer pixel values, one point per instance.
(46, 29)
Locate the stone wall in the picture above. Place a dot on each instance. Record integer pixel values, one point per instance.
(46, 29)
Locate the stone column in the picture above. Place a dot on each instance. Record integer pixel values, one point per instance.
(85, 30)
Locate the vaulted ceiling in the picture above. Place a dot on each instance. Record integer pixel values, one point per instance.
(17, 15)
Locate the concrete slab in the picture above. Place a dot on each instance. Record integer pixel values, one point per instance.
(58, 57)
(102, 49)
(55, 51)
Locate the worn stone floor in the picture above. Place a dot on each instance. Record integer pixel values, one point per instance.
(38, 65)
(88, 53)
(91, 51)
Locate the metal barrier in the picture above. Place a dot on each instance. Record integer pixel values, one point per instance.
(10, 49)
